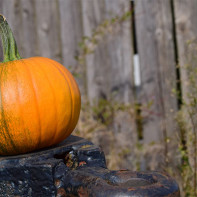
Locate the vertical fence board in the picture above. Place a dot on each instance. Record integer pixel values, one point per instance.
(109, 68)
(71, 30)
(28, 27)
(48, 33)
(96, 63)
(186, 29)
(71, 36)
(158, 71)
(120, 53)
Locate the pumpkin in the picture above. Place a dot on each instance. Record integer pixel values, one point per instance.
(39, 100)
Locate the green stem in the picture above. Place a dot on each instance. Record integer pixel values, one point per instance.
(10, 51)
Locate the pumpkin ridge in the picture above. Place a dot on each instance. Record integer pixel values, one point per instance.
(19, 101)
(35, 98)
(3, 119)
(1, 146)
(40, 65)
(25, 130)
(67, 81)
(71, 81)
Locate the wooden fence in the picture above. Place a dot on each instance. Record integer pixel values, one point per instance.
(97, 40)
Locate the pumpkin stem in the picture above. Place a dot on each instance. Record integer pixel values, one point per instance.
(10, 51)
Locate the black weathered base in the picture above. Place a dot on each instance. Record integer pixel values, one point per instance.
(76, 168)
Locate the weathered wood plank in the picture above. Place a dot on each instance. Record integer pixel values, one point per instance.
(1, 6)
(109, 68)
(48, 32)
(71, 35)
(28, 29)
(186, 29)
(96, 82)
(71, 30)
(158, 70)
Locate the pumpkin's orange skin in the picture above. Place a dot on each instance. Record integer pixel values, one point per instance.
(39, 104)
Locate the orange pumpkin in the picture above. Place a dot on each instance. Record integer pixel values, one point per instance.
(39, 100)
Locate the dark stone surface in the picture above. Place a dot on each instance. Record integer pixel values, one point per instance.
(76, 167)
